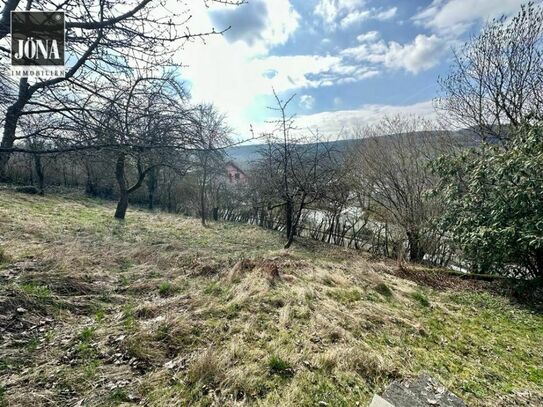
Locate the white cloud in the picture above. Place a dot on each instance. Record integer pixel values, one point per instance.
(370, 36)
(421, 54)
(457, 16)
(234, 77)
(236, 72)
(331, 10)
(354, 17)
(258, 23)
(307, 102)
(297, 71)
(367, 52)
(386, 14)
(346, 13)
(332, 124)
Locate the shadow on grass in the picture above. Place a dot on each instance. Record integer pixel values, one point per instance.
(525, 293)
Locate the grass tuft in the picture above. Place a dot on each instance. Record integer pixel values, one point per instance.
(384, 290)
(279, 366)
(207, 368)
(165, 289)
(223, 315)
(4, 258)
(421, 298)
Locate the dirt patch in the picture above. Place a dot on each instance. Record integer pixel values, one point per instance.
(201, 267)
(61, 284)
(272, 269)
(440, 280)
(19, 311)
(528, 293)
(240, 268)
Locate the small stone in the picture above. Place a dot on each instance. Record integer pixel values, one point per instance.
(170, 364)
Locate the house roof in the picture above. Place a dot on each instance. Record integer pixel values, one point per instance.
(233, 164)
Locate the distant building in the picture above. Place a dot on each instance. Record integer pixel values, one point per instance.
(234, 174)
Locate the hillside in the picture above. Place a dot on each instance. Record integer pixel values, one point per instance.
(160, 311)
(244, 155)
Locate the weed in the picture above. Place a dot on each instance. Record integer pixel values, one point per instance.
(124, 265)
(32, 344)
(208, 368)
(99, 315)
(279, 366)
(421, 298)
(41, 292)
(129, 318)
(4, 258)
(384, 290)
(213, 289)
(346, 295)
(86, 334)
(84, 348)
(165, 289)
(90, 369)
(119, 396)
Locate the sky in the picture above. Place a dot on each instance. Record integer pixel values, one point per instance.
(348, 62)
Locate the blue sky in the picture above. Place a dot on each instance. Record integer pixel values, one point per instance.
(349, 62)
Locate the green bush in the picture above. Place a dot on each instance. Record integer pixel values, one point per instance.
(494, 207)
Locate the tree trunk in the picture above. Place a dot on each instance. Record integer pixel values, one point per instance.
(416, 252)
(120, 175)
(215, 214)
(13, 114)
(89, 185)
(151, 188)
(39, 173)
(30, 180)
(294, 221)
(290, 239)
(8, 138)
(288, 222)
(203, 194)
(539, 263)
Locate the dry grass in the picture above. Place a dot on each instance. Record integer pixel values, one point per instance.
(159, 311)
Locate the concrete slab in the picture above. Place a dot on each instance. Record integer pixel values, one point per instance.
(378, 401)
(423, 391)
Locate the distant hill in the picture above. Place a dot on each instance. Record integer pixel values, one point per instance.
(245, 155)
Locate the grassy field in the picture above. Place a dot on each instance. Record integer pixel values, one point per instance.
(163, 312)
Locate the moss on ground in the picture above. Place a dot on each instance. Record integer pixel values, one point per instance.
(158, 311)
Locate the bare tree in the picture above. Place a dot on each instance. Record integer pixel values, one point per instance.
(297, 170)
(496, 79)
(104, 40)
(145, 123)
(213, 134)
(394, 176)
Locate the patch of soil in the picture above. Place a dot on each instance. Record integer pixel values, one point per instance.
(529, 293)
(19, 311)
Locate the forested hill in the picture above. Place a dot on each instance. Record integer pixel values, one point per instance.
(245, 154)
